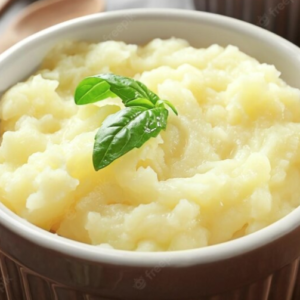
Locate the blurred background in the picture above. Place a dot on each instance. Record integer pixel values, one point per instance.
(279, 16)
(20, 18)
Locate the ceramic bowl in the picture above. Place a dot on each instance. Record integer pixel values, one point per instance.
(38, 265)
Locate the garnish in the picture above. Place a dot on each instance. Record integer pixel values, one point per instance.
(143, 117)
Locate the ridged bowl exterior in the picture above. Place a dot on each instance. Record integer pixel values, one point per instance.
(31, 271)
(279, 16)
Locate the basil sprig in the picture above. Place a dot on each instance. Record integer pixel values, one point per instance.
(143, 117)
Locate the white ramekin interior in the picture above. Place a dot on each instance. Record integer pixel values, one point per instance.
(140, 26)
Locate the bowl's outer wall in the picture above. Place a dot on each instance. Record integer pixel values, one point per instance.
(33, 272)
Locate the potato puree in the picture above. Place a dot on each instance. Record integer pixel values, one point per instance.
(227, 166)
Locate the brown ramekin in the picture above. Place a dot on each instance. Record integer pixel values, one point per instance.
(38, 265)
(30, 271)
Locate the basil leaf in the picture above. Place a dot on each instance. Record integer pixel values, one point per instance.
(140, 102)
(144, 117)
(92, 89)
(100, 87)
(127, 129)
(161, 103)
(127, 88)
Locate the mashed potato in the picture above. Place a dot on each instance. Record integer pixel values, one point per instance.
(227, 166)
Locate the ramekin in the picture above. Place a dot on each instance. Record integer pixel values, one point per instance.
(38, 265)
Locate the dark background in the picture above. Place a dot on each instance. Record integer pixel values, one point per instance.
(279, 16)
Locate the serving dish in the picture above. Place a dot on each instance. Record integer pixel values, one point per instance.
(40, 265)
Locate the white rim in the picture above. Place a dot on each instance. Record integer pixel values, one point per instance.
(176, 258)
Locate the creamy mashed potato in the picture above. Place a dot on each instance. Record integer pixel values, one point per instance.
(227, 166)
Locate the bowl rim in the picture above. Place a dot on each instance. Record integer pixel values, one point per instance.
(182, 258)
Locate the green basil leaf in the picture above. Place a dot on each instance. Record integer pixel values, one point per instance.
(127, 88)
(127, 129)
(151, 96)
(92, 89)
(100, 87)
(140, 102)
(144, 115)
(161, 103)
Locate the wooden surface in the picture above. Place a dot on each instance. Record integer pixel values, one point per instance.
(18, 5)
(4, 4)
